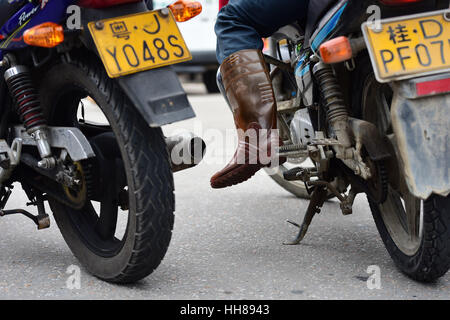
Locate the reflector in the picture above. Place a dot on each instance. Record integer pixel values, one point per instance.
(433, 87)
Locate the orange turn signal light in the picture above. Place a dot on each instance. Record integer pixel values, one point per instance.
(336, 50)
(184, 10)
(46, 35)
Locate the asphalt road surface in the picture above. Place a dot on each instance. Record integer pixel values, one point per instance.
(227, 244)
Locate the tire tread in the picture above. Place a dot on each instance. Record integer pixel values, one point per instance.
(151, 174)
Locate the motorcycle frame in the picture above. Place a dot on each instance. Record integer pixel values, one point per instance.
(345, 18)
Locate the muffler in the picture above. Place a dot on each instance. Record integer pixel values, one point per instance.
(185, 150)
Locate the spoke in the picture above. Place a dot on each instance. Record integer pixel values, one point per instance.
(91, 129)
(107, 223)
(412, 206)
(398, 208)
(88, 213)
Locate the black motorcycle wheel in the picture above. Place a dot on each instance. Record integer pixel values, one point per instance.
(416, 233)
(92, 234)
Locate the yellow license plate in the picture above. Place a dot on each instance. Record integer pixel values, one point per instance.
(406, 47)
(139, 42)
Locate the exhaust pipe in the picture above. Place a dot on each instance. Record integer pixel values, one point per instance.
(185, 151)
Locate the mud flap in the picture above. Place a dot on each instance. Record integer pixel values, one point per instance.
(158, 96)
(422, 130)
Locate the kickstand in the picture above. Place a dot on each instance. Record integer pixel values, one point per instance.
(318, 198)
(42, 220)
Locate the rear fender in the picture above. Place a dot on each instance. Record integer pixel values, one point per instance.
(158, 96)
(422, 131)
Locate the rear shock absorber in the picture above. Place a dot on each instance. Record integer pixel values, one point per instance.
(337, 113)
(23, 92)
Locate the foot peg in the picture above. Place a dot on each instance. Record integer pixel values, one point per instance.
(292, 174)
(42, 220)
(299, 173)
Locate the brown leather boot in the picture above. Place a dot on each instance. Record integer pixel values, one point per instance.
(249, 90)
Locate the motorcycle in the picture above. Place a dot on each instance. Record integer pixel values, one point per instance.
(364, 95)
(86, 87)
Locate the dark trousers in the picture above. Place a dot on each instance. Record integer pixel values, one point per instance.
(242, 23)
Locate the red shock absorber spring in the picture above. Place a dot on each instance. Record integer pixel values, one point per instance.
(22, 90)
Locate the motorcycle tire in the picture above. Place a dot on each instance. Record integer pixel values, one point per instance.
(431, 259)
(421, 251)
(148, 173)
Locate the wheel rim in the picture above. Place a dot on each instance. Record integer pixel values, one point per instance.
(403, 218)
(98, 223)
(402, 213)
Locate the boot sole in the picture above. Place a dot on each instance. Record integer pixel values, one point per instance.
(235, 177)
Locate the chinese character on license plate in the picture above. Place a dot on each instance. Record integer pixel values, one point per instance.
(405, 47)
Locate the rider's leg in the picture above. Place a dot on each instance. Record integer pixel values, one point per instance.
(239, 28)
